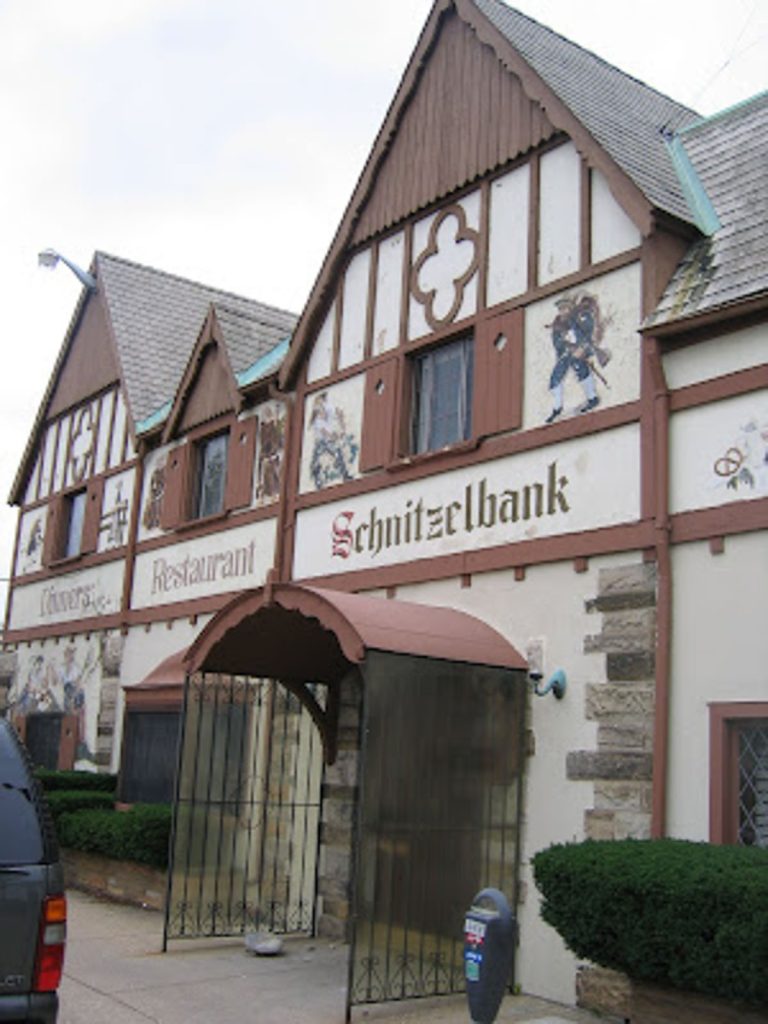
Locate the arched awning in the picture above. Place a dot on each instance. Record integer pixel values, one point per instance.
(297, 633)
(162, 687)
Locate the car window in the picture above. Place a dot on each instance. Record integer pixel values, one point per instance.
(21, 840)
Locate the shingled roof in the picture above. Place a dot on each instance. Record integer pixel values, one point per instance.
(728, 154)
(624, 115)
(156, 318)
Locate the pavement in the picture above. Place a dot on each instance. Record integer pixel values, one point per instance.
(116, 973)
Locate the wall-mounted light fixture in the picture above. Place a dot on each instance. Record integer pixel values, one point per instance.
(556, 684)
(49, 258)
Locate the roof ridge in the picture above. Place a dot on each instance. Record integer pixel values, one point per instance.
(246, 314)
(590, 53)
(735, 108)
(100, 255)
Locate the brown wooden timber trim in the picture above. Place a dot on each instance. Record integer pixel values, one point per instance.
(485, 233)
(338, 306)
(585, 234)
(564, 548)
(723, 521)
(373, 270)
(716, 545)
(220, 523)
(57, 630)
(741, 382)
(133, 532)
(487, 450)
(105, 474)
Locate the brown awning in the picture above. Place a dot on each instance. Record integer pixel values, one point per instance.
(300, 633)
(163, 685)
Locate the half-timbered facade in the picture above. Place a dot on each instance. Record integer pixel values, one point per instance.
(522, 425)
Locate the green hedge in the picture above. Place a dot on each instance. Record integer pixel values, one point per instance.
(103, 782)
(689, 915)
(139, 834)
(62, 801)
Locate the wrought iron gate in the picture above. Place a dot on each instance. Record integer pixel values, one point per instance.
(247, 811)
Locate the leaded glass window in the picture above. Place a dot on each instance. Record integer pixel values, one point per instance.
(211, 475)
(753, 783)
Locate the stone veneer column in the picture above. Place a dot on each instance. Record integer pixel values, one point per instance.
(339, 801)
(621, 766)
(111, 656)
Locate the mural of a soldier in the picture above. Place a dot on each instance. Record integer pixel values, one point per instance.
(577, 331)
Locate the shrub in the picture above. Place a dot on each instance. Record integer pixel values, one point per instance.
(139, 834)
(62, 801)
(689, 915)
(100, 781)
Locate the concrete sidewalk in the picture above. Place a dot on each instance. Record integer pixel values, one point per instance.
(115, 973)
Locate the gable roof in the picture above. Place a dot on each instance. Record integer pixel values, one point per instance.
(728, 156)
(156, 318)
(152, 320)
(616, 121)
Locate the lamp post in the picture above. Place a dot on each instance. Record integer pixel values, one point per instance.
(49, 258)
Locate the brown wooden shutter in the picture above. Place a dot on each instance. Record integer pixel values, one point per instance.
(68, 740)
(174, 510)
(55, 524)
(240, 458)
(379, 412)
(92, 522)
(497, 403)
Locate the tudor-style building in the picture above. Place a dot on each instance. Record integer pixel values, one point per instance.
(527, 428)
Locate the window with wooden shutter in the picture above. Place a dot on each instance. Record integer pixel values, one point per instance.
(498, 385)
(240, 459)
(56, 520)
(377, 446)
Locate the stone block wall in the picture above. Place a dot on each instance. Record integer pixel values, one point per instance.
(340, 787)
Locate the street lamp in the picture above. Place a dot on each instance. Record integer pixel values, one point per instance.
(49, 258)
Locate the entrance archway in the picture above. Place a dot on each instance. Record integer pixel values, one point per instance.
(420, 713)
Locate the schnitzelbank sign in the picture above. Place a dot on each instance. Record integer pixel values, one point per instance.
(582, 484)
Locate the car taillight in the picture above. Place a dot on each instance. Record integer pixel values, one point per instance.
(49, 961)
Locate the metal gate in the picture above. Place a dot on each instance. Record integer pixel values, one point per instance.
(247, 810)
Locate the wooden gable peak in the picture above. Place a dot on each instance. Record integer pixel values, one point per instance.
(208, 388)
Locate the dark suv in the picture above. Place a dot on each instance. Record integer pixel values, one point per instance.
(33, 910)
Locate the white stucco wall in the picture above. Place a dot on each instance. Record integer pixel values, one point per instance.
(719, 653)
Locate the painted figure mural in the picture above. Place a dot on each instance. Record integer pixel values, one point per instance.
(334, 448)
(577, 332)
(269, 457)
(61, 683)
(743, 465)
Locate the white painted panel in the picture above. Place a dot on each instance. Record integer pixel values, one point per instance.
(29, 554)
(46, 483)
(508, 235)
(118, 433)
(152, 493)
(599, 319)
(105, 422)
(578, 485)
(30, 493)
(441, 271)
(719, 453)
(333, 423)
(218, 563)
(612, 231)
(321, 357)
(389, 294)
(78, 595)
(559, 213)
(719, 654)
(61, 454)
(727, 353)
(116, 506)
(354, 309)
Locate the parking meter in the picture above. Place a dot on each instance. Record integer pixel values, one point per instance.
(489, 940)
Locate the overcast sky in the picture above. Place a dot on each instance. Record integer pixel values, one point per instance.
(221, 139)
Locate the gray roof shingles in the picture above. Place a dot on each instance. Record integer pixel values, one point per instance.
(625, 116)
(156, 320)
(729, 153)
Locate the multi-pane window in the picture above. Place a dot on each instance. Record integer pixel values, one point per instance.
(442, 396)
(211, 475)
(753, 783)
(73, 539)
